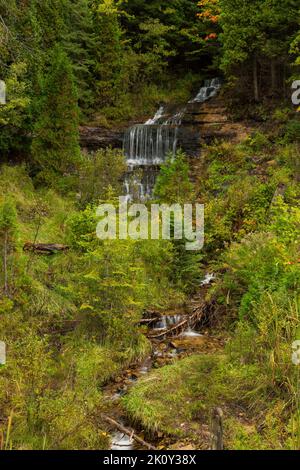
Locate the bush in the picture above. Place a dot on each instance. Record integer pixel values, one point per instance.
(292, 131)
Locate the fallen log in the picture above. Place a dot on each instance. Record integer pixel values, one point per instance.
(128, 432)
(190, 321)
(170, 330)
(45, 248)
(148, 321)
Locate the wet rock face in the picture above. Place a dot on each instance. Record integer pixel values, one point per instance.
(93, 138)
(199, 343)
(204, 122)
(189, 139)
(201, 120)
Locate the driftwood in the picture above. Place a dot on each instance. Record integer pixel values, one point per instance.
(128, 432)
(170, 331)
(217, 429)
(45, 248)
(191, 321)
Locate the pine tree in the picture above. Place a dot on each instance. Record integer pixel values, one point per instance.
(108, 65)
(55, 147)
(256, 38)
(79, 42)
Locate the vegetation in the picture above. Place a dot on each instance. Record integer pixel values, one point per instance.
(252, 240)
(71, 321)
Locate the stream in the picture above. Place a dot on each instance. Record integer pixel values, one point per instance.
(163, 352)
(146, 147)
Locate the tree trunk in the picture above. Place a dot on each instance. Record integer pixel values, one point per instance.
(45, 248)
(273, 77)
(284, 79)
(255, 80)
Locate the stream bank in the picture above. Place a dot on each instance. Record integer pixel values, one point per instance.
(175, 336)
(178, 334)
(191, 338)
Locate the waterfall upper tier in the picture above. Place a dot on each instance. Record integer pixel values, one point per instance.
(185, 118)
(150, 143)
(210, 89)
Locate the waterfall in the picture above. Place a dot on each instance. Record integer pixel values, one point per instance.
(167, 321)
(147, 145)
(139, 182)
(210, 89)
(158, 115)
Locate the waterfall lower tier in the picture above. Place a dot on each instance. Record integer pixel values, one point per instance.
(139, 182)
(146, 144)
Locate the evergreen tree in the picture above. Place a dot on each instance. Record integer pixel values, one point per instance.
(256, 35)
(180, 32)
(55, 147)
(14, 114)
(108, 56)
(242, 37)
(173, 184)
(79, 42)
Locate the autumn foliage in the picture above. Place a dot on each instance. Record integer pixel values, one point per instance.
(210, 14)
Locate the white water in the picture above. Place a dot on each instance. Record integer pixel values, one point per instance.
(209, 277)
(147, 145)
(158, 115)
(139, 182)
(121, 441)
(167, 321)
(210, 89)
(190, 333)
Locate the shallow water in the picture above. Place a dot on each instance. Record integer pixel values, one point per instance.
(121, 441)
(191, 333)
(209, 277)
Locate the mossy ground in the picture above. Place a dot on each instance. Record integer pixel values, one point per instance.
(177, 401)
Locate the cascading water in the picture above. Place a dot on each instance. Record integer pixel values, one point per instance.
(166, 321)
(147, 145)
(210, 89)
(157, 117)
